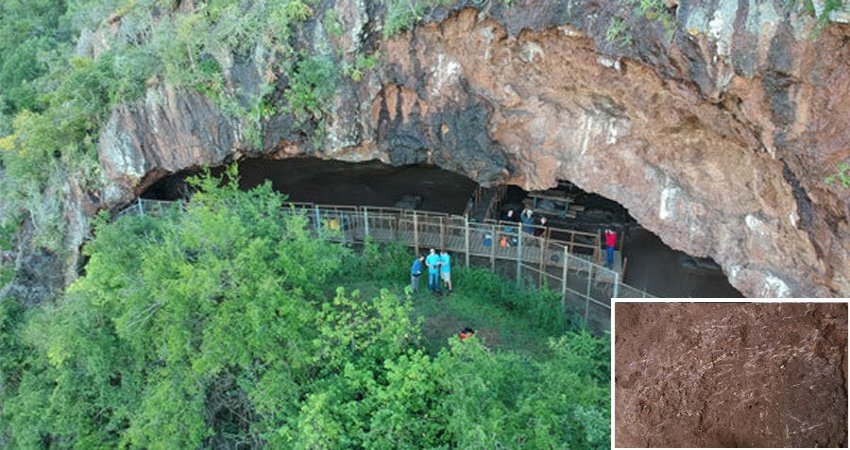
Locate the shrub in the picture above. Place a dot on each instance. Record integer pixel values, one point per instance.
(841, 176)
(310, 87)
(211, 326)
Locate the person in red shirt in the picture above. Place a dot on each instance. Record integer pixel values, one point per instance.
(610, 243)
(466, 333)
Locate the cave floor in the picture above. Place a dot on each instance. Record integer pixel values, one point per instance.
(730, 375)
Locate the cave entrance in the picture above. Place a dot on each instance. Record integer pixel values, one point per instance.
(330, 182)
(645, 260)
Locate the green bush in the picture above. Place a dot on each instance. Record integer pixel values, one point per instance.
(211, 326)
(332, 23)
(841, 176)
(402, 15)
(29, 30)
(311, 86)
(60, 101)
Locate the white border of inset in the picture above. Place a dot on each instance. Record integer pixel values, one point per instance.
(613, 333)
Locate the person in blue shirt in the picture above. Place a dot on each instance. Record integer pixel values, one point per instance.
(433, 262)
(446, 269)
(415, 271)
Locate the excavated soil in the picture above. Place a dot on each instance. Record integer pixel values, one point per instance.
(731, 375)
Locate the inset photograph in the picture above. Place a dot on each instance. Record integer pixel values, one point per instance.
(730, 374)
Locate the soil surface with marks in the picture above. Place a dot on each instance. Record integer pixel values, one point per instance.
(731, 375)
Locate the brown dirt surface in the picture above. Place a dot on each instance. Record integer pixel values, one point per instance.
(731, 375)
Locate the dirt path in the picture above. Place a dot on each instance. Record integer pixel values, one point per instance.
(731, 374)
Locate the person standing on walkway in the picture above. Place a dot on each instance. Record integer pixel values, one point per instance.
(446, 269)
(542, 227)
(610, 243)
(433, 263)
(527, 220)
(415, 271)
(508, 229)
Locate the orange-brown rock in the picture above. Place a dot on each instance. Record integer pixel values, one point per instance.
(717, 137)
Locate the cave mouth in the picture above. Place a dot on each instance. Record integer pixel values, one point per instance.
(331, 182)
(650, 265)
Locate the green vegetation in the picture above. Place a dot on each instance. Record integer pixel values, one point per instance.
(807, 7)
(54, 103)
(402, 15)
(311, 86)
(656, 10)
(361, 64)
(841, 176)
(222, 325)
(618, 33)
(7, 269)
(332, 23)
(823, 18)
(828, 7)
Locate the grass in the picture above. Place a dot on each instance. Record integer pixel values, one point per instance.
(500, 322)
(495, 326)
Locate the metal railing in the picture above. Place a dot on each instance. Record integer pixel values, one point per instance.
(539, 261)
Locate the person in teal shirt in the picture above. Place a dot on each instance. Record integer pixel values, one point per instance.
(415, 271)
(446, 269)
(433, 262)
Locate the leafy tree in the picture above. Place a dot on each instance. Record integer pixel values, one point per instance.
(218, 324)
(28, 28)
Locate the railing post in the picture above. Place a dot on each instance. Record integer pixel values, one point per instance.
(616, 285)
(544, 246)
(442, 233)
(416, 233)
(365, 223)
(519, 256)
(493, 245)
(587, 297)
(466, 238)
(318, 220)
(597, 254)
(566, 262)
(141, 208)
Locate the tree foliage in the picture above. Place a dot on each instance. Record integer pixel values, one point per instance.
(219, 325)
(55, 99)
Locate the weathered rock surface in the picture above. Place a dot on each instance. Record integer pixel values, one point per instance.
(717, 137)
(731, 375)
(39, 274)
(166, 132)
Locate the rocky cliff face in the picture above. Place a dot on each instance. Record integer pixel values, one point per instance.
(716, 136)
